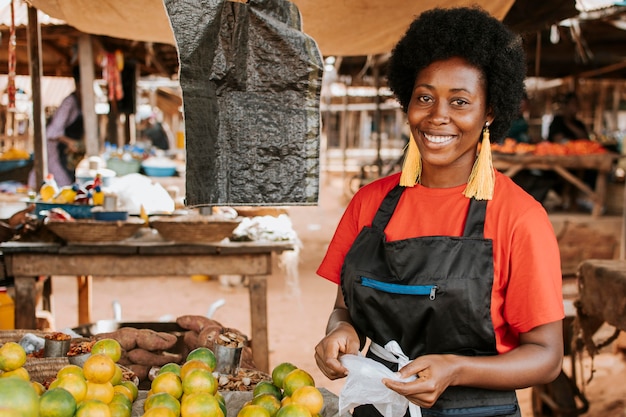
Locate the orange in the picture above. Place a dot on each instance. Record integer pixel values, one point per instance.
(76, 385)
(103, 392)
(99, 368)
(39, 388)
(204, 354)
(253, 410)
(70, 369)
(120, 410)
(12, 356)
(170, 367)
(200, 405)
(193, 364)
(57, 402)
(293, 410)
(285, 401)
(267, 401)
(310, 397)
(160, 412)
(267, 387)
(125, 391)
(7, 412)
(19, 396)
(93, 408)
(199, 380)
(162, 399)
(280, 372)
(132, 387)
(117, 376)
(167, 382)
(296, 379)
(20, 373)
(122, 399)
(109, 347)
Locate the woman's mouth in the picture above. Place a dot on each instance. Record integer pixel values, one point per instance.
(438, 139)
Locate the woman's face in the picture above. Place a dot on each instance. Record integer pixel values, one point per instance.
(447, 113)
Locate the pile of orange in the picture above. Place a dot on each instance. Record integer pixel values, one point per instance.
(290, 393)
(96, 389)
(187, 390)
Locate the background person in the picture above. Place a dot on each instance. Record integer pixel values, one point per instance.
(64, 138)
(566, 126)
(464, 277)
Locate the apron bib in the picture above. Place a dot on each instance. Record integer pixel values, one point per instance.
(431, 295)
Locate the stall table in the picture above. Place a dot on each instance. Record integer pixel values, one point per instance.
(27, 261)
(511, 164)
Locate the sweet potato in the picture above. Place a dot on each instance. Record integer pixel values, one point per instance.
(126, 336)
(196, 323)
(151, 340)
(145, 357)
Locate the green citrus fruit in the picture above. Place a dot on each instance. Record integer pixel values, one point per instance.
(57, 402)
(204, 354)
(19, 395)
(280, 372)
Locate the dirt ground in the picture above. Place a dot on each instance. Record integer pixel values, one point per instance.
(297, 309)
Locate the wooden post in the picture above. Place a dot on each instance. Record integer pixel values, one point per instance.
(39, 126)
(258, 321)
(88, 103)
(84, 299)
(25, 308)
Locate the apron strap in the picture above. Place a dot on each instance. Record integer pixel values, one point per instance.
(387, 207)
(475, 222)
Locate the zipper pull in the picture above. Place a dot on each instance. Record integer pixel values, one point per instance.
(432, 292)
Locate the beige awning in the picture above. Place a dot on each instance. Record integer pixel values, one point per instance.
(340, 27)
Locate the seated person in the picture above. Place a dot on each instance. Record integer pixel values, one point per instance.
(566, 126)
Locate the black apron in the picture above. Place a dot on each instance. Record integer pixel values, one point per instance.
(431, 295)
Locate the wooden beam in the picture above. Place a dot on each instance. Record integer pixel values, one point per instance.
(88, 102)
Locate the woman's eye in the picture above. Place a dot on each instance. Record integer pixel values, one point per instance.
(459, 102)
(424, 99)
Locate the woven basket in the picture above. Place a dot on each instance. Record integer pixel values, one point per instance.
(17, 334)
(94, 231)
(193, 229)
(44, 369)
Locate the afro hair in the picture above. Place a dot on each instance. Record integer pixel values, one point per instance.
(472, 34)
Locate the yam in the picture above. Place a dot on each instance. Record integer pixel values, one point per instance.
(145, 357)
(152, 340)
(191, 339)
(208, 335)
(126, 336)
(140, 370)
(195, 322)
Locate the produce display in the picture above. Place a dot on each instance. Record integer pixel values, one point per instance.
(572, 147)
(190, 388)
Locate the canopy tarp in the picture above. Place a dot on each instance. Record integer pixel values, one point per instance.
(340, 27)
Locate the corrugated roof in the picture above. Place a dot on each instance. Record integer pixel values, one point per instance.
(21, 15)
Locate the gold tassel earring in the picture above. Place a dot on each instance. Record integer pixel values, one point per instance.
(482, 179)
(412, 165)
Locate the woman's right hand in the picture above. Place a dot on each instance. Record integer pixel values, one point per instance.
(343, 339)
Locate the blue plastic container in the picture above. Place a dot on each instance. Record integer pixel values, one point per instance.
(77, 211)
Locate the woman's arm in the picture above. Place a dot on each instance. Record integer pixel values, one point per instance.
(341, 338)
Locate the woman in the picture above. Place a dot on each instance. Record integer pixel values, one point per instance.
(450, 259)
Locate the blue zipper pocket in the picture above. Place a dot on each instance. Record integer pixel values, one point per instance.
(485, 411)
(428, 290)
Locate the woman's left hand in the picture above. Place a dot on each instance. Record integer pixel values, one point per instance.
(434, 374)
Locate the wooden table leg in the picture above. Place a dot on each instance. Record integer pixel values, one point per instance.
(25, 295)
(46, 301)
(84, 299)
(257, 287)
(598, 204)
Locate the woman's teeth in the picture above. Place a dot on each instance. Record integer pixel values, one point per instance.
(438, 139)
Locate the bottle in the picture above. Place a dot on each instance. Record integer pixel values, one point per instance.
(48, 189)
(7, 310)
(97, 196)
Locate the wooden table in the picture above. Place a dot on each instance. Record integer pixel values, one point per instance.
(602, 291)
(511, 164)
(27, 261)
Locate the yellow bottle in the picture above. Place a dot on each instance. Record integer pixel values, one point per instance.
(98, 196)
(48, 189)
(7, 310)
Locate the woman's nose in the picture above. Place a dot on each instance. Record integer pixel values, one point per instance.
(440, 113)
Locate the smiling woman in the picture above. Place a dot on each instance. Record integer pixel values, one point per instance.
(437, 265)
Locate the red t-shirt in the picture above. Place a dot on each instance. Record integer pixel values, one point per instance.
(527, 267)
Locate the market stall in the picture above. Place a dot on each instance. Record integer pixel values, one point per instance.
(26, 261)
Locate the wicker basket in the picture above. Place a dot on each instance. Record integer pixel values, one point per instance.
(43, 370)
(17, 334)
(94, 231)
(193, 228)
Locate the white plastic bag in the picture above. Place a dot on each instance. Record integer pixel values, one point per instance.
(364, 386)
